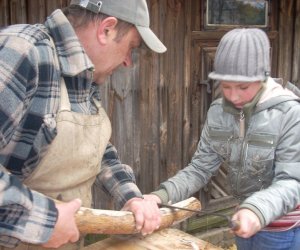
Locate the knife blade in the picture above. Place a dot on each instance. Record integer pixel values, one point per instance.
(232, 224)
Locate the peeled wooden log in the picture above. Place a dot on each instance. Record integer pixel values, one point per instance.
(96, 221)
(165, 239)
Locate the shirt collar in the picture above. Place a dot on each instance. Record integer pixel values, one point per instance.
(71, 55)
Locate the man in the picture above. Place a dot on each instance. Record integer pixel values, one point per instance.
(254, 130)
(54, 132)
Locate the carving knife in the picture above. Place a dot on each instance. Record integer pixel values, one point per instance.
(232, 224)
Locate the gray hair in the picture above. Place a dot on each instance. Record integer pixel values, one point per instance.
(80, 17)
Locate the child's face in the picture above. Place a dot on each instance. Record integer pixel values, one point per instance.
(240, 93)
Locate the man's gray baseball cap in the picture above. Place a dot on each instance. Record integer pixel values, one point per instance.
(131, 11)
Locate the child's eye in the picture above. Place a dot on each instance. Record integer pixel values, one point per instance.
(244, 87)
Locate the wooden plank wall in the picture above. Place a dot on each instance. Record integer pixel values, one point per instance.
(149, 105)
(153, 145)
(27, 11)
(295, 75)
(289, 41)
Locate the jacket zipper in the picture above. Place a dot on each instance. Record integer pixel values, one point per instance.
(242, 124)
(242, 131)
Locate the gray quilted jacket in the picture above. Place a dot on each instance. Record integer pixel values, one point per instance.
(263, 163)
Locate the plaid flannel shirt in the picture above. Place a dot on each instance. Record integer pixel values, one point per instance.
(29, 101)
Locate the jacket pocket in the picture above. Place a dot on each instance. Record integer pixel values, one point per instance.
(220, 142)
(259, 160)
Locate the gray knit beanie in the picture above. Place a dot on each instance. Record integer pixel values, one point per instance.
(243, 55)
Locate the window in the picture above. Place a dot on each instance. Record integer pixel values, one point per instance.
(237, 13)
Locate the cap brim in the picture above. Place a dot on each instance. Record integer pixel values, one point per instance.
(151, 39)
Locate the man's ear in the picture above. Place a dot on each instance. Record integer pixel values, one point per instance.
(106, 29)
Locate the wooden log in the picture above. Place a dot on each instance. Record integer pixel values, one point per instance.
(96, 221)
(164, 239)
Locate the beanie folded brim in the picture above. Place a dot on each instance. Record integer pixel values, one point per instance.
(235, 78)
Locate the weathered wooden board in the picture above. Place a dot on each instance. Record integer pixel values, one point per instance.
(166, 239)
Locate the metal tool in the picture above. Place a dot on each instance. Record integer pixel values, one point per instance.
(232, 224)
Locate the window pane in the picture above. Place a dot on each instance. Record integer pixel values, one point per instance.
(237, 12)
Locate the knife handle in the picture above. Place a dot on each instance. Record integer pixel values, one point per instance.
(234, 225)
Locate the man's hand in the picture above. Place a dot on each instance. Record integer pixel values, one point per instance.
(146, 212)
(249, 223)
(65, 229)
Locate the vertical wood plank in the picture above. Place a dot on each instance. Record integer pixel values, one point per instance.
(175, 30)
(5, 14)
(55, 4)
(296, 49)
(160, 173)
(36, 10)
(148, 112)
(195, 15)
(18, 13)
(187, 95)
(286, 38)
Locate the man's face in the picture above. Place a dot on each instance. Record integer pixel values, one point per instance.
(115, 54)
(240, 93)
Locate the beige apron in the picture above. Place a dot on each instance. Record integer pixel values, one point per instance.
(71, 164)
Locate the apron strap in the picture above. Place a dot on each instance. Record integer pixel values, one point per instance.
(64, 97)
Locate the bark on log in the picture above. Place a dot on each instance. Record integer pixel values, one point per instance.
(96, 221)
